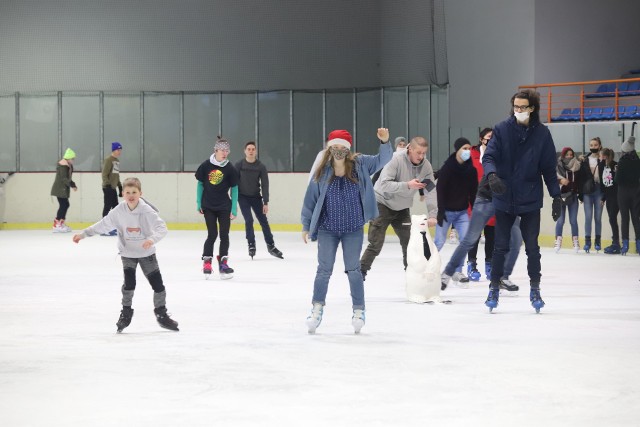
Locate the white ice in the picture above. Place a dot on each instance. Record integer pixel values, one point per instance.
(243, 356)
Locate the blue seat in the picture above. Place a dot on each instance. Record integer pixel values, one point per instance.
(573, 116)
(592, 115)
(622, 87)
(563, 115)
(587, 113)
(604, 90)
(629, 112)
(632, 90)
(608, 113)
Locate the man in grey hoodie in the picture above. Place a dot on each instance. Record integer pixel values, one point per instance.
(395, 190)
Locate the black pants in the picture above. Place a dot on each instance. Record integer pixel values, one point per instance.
(64, 207)
(212, 219)
(110, 200)
(612, 212)
(489, 242)
(627, 204)
(247, 204)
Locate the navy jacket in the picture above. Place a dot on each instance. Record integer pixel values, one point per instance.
(519, 155)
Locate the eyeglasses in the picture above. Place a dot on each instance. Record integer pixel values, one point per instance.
(521, 107)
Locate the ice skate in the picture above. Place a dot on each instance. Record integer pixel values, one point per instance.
(597, 245)
(460, 280)
(613, 249)
(472, 271)
(444, 280)
(558, 244)
(453, 237)
(587, 244)
(60, 227)
(274, 251)
(252, 250)
(125, 318)
(507, 287)
(357, 320)
(226, 272)
(56, 226)
(536, 300)
(493, 297)
(164, 320)
(315, 318)
(206, 266)
(576, 244)
(625, 247)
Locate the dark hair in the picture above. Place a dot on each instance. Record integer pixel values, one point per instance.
(484, 132)
(250, 143)
(610, 156)
(534, 101)
(597, 138)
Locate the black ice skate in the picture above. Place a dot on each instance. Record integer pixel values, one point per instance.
(226, 272)
(164, 320)
(274, 251)
(125, 318)
(206, 266)
(252, 250)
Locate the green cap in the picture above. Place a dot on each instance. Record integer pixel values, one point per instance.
(69, 154)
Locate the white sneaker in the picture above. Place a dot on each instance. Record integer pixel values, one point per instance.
(453, 237)
(460, 280)
(315, 318)
(357, 320)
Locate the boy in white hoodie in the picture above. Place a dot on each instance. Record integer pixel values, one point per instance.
(139, 229)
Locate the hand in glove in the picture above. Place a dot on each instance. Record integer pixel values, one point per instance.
(496, 184)
(119, 190)
(441, 217)
(556, 208)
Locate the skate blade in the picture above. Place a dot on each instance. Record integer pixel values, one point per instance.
(357, 325)
(226, 276)
(506, 293)
(207, 275)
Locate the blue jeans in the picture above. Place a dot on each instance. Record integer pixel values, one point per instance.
(254, 203)
(351, 247)
(592, 211)
(482, 211)
(572, 208)
(460, 220)
(530, 229)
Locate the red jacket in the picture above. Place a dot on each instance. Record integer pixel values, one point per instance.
(475, 158)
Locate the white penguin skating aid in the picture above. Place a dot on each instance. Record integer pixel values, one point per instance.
(423, 264)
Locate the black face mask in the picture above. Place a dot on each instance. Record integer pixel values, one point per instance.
(594, 150)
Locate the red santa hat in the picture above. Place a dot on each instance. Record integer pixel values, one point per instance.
(339, 137)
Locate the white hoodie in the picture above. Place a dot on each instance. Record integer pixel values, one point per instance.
(134, 227)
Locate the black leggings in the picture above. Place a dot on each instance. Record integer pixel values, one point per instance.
(627, 204)
(64, 207)
(213, 218)
(612, 212)
(489, 242)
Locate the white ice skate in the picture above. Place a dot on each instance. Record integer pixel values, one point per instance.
(357, 320)
(315, 318)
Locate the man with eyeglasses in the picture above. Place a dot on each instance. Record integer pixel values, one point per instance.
(519, 153)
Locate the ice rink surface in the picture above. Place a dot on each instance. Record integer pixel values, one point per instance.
(243, 356)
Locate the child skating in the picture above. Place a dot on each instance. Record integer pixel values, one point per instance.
(216, 176)
(139, 228)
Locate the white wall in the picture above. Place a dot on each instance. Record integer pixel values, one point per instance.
(29, 204)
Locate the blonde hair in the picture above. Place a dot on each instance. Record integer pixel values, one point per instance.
(349, 163)
(132, 182)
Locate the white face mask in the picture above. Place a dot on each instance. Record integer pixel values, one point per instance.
(521, 116)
